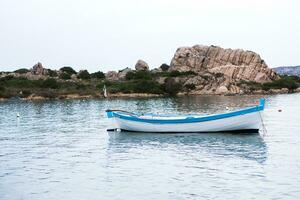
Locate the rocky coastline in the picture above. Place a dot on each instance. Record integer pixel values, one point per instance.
(197, 70)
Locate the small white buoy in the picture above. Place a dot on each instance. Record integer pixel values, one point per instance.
(18, 115)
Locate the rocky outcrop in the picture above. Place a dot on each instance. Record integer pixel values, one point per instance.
(122, 73)
(218, 70)
(141, 66)
(38, 69)
(112, 76)
(235, 65)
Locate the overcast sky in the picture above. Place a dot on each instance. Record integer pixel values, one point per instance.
(114, 34)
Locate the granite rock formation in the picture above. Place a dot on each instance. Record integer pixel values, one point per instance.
(219, 71)
(38, 69)
(122, 73)
(141, 66)
(234, 64)
(112, 76)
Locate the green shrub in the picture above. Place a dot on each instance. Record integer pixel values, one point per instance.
(98, 75)
(164, 67)
(251, 84)
(80, 86)
(6, 78)
(68, 70)
(65, 76)
(52, 73)
(115, 87)
(138, 75)
(290, 82)
(50, 83)
(2, 91)
(136, 86)
(106, 83)
(19, 82)
(84, 74)
(148, 86)
(2, 88)
(22, 71)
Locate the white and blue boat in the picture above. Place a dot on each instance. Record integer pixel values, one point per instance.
(243, 120)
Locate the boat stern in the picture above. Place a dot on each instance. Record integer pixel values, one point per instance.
(109, 113)
(262, 102)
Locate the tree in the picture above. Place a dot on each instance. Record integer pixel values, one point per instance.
(98, 75)
(68, 70)
(64, 76)
(164, 67)
(22, 71)
(84, 74)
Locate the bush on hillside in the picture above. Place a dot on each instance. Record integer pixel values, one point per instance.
(164, 67)
(68, 70)
(138, 75)
(52, 73)
(50, 83)
(290, 82)
(22, 71)
(98, 75)
(65, 76)
(84, 74)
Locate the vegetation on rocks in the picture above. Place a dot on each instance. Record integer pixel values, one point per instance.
(98, 75)
(22, 71)
(84, 74)
(289, 82)
(207, 70)
(68, 70)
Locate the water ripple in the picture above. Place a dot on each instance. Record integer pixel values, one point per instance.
(61, 150)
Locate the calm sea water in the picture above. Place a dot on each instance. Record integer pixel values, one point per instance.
(61, 150)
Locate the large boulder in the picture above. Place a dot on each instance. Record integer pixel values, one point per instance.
(122, 73)
(38, 69)
(235, 65)
(112, 76)
(141, 66)
(222, 90)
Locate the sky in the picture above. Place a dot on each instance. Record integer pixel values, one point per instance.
(111, 35)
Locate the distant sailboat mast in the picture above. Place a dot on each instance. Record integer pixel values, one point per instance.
(104, 92)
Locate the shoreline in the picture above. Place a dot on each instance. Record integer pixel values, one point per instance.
(141, 95)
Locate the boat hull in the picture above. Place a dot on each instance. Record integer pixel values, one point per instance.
(248, 122)
(247, 119)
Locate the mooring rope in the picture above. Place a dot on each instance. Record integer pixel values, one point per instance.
(263, 125)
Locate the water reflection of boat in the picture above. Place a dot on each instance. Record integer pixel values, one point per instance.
(244, 120)
(248, 146)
